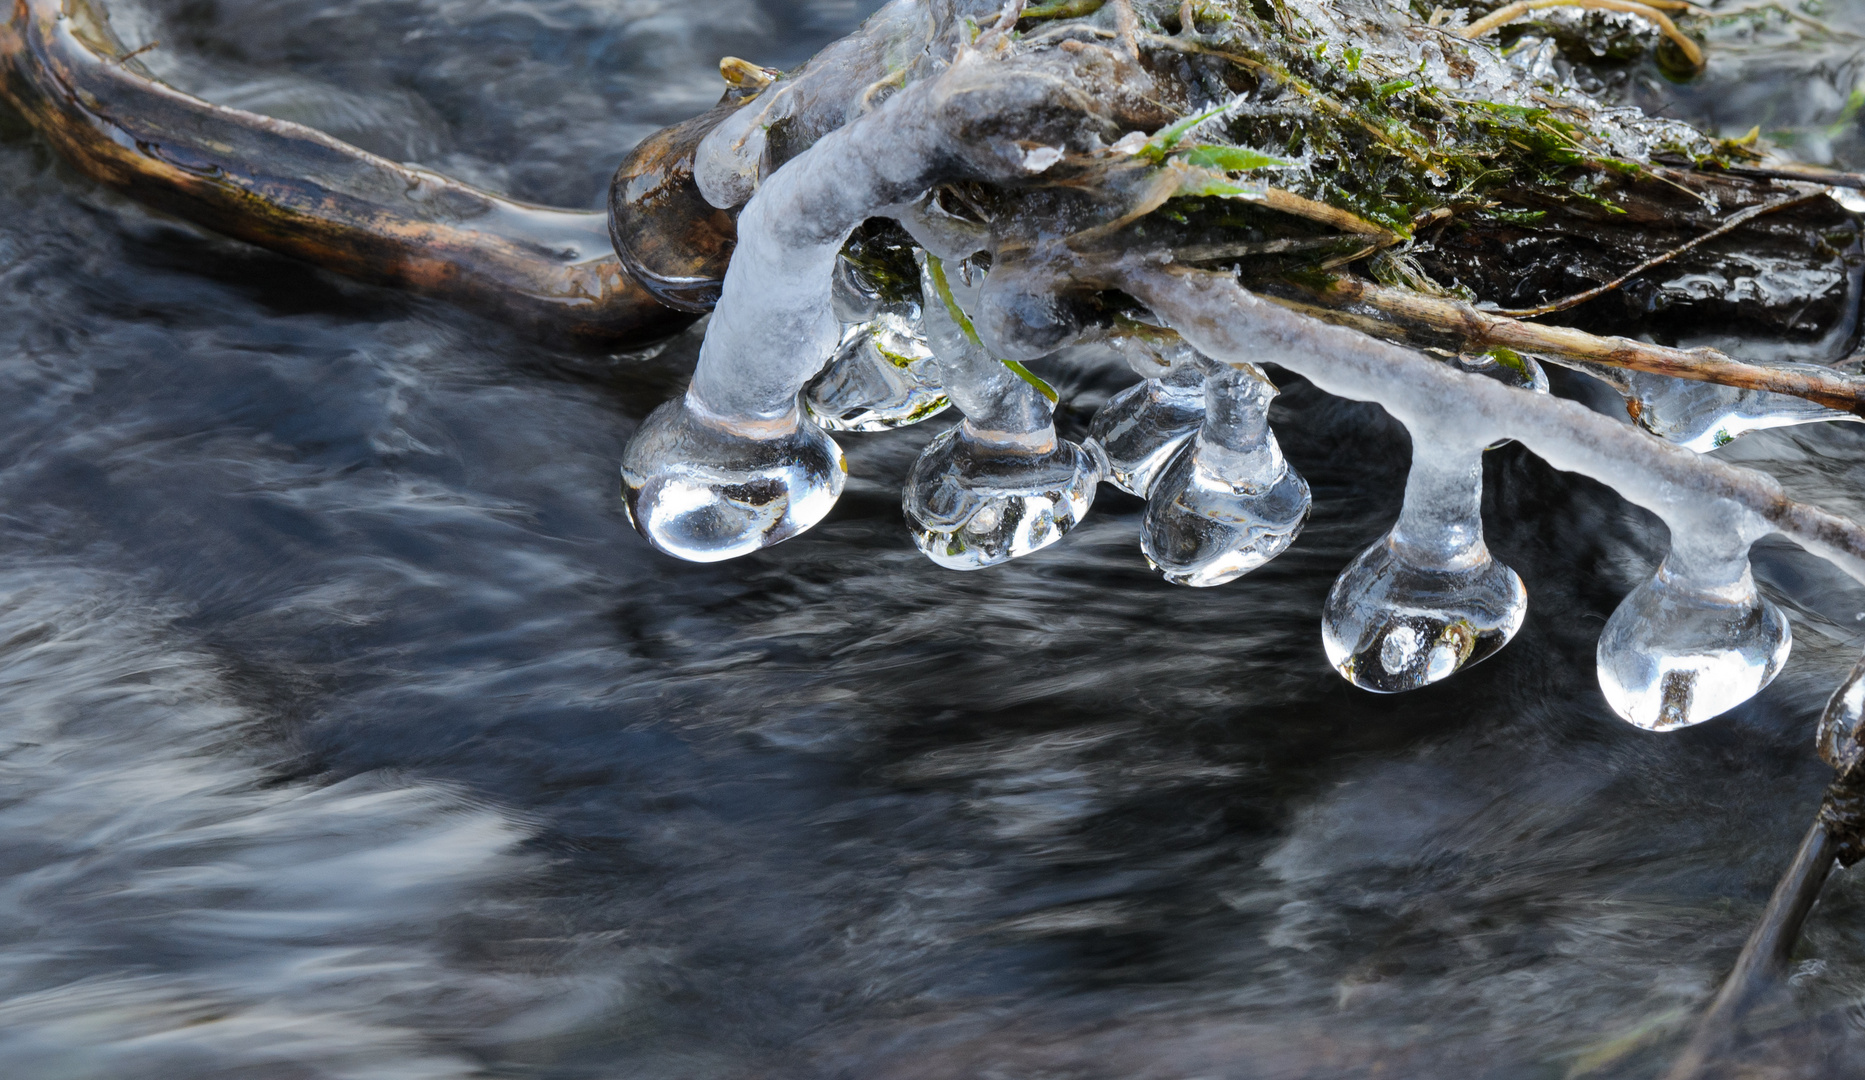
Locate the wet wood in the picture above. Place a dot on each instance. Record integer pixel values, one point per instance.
(1763, 963)
(294, 190)
(669, 238)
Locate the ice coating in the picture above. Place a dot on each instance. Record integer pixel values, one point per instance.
(1225, 321)
(1704, 416)
(1002, 483)
(882, 375)
(1141, 428)
(1427, 599)
(1841, 723)
(1697, 639)
(1017, 161)
(1228, 502)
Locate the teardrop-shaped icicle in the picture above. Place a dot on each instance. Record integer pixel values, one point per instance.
(703, 488)
(1427, 600)
(1143, 426)
(1001, 484)
(1228, 502)
(971, 502)
(1694, 641)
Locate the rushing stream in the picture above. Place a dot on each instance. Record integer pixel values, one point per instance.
(347, 730)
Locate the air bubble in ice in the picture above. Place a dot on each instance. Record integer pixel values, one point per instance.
(1427, 600)
(1692, 643)
(704, 488)
(1228, 502)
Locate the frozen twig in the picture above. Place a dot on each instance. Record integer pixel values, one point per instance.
(1387, 311)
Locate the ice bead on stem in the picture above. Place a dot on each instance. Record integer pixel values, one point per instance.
(1427, 599)
(703, 487)
(1001, 483)
(1143, 426)
(882, 375)
(1703, 416)
(735, 465)
(1841, 723)
(1697, 639)
(1228, 502)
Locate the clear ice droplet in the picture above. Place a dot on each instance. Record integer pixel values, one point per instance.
(1703, 416)
(882, 376)
(972, 503)
(1228, 502)
(1690, 644)
(1840, 724)
(1428, 599)
(704, 488)
(1143, 426)
(1002, 483)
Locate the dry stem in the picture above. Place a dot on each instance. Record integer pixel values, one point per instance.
(1388, 312)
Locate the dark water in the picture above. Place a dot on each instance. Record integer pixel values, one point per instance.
(347, 731)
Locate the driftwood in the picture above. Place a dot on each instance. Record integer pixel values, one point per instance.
(294, 190)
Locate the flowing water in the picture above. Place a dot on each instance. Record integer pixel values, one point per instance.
(348, 731)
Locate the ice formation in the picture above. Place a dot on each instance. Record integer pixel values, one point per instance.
(1017, 158)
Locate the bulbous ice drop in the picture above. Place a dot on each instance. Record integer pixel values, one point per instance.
(1427, 600)
(1228, 502)
(1143, 426)
(971, 503)
(704, 488)
(1843, 723)
(1001, 484)
(1693, 642)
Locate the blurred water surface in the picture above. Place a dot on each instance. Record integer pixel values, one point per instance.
(347, 731)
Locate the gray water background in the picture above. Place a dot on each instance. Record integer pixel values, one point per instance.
(347, 731)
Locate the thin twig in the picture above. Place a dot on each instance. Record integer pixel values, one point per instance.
(134, 53)
(1735, 221)
(1387, 312)
(1511, 12)
(1806, 174)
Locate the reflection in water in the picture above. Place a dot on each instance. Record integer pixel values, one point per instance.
(350, 732)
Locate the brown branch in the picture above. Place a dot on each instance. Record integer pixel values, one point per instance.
(1383, 310)
(1734, 222)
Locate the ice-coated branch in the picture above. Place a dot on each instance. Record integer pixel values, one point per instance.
(1688, 491)
(1394, 311)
